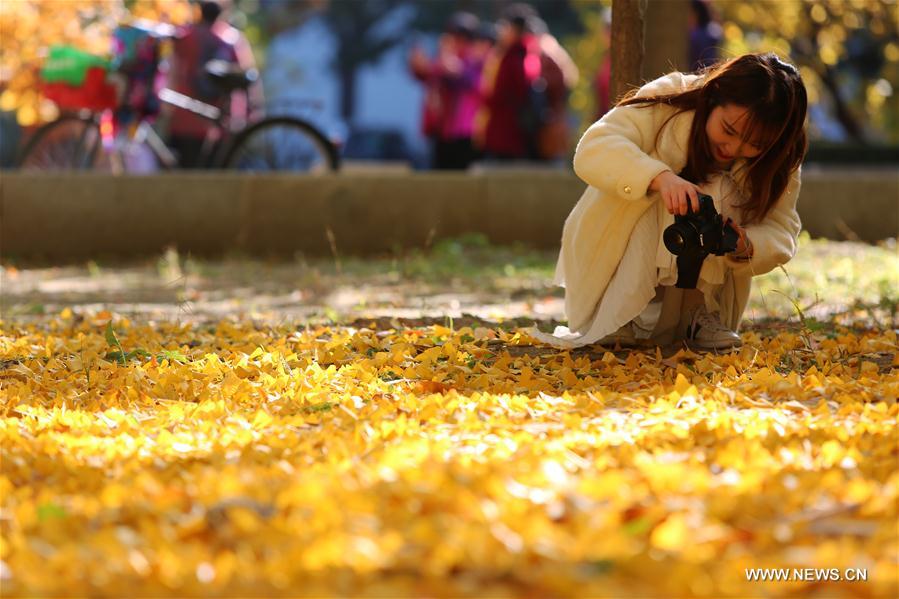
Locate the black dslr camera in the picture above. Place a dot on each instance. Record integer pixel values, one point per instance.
(694, 236)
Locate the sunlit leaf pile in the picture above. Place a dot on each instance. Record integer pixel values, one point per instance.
(244, 460)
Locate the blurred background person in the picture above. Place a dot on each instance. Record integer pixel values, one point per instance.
(524, 90)
(451, 97)
(484, 41)
(209, 38)
(505, 86)
(558, 76)
(705, 35)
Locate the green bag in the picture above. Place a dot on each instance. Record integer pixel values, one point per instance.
(67, 64)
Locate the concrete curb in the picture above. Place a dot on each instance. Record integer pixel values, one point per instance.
(77, 216)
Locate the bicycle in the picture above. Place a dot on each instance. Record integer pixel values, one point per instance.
(87, 140)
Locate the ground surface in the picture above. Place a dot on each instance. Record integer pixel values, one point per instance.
(192, 428)
(849, 282)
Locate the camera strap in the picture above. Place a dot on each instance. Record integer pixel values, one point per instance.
(688, 267)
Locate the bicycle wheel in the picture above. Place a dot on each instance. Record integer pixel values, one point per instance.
(281, 144)
(68, 143)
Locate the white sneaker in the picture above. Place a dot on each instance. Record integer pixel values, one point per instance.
(706, 332)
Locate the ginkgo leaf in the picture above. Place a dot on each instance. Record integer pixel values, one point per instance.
(274, 461)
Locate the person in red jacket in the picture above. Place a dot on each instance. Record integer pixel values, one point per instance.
(525, 91)
(506, 85)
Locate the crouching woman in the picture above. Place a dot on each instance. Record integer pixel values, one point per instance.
(735, 132)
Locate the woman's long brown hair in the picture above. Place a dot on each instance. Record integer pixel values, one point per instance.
(773, 92)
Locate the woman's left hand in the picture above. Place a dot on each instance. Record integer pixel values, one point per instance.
(743, 243)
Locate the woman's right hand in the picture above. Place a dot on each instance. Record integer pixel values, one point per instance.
(676, 192)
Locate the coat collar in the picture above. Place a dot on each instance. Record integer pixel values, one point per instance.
(674, 141)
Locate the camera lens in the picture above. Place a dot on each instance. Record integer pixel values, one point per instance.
(674, 240)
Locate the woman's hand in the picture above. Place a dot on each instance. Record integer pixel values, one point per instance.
(743, 250)
(744, 246)
(676, 192)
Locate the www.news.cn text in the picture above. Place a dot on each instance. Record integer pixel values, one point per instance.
(807, 574)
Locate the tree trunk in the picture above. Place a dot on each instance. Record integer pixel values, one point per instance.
(843, 113)
(667, 38)
(347, 93)
(626, 46)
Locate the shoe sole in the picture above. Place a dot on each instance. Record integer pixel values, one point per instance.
(702, 347)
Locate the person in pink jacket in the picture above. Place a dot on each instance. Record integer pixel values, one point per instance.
(736, 132)
(452, 97)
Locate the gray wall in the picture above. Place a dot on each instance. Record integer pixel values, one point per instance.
(77, 216)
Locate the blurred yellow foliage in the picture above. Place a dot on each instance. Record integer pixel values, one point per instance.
(837, 44)
(272, 461)
(29, 27)
(846, 51)
(588, 52)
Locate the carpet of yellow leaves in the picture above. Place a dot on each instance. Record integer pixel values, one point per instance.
(275, 461)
